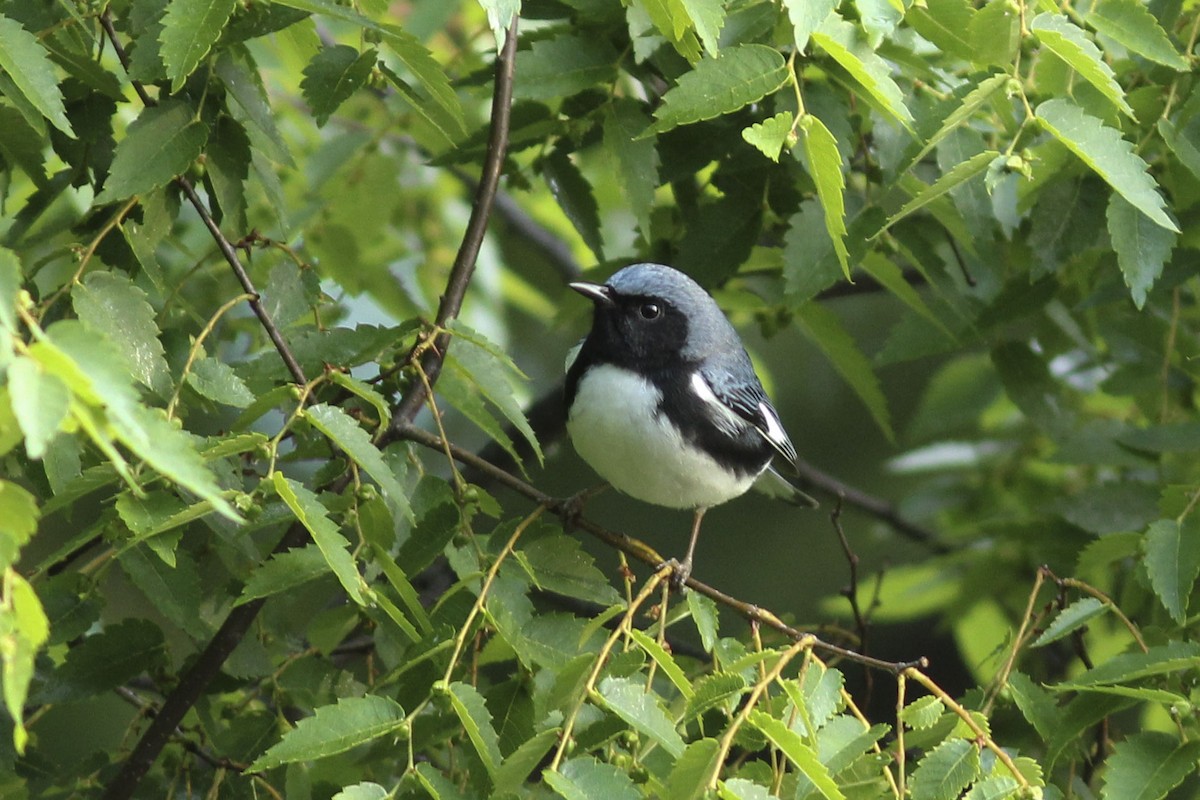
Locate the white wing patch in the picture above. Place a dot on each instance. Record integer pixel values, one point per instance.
(774, 430)
(726, 418)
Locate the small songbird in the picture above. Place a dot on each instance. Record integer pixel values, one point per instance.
(664, 403)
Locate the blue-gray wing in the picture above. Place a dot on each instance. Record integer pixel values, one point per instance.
(742, 397)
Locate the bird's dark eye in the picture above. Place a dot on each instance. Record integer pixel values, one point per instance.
(650, 311)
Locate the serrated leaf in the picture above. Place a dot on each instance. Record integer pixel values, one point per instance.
(1071, 619)
(477, 721)
(251, 107)
(634, 160)
(1067, 41)
(1109, 155)
(704, 614)
(945, 770)
(890, 277)
(110, 304)
(189, 30)
(806, 16)
(960, 174)
(173, 589)
(575, 198)
(333, 75)
(334, 729)
(708, 18)
(1158, 660)
(283, 571)
(313, 516)
(456, 388)
(825, 165)
(585, 778)
(738, 76)
(711, 691)
(770, 135)
(1132, 24)
(161, 143)
(922, 712)
(1142, 246)
(630, 701)
(945, 23)
(31, 72)
(822, 328)
(742, 789)
(1172, 561)
(1181, 145)
(1000, 787)
(561, 66)
(994, 33)
(559, 564)
(512, 774)
(665, 661)
(800, 754)
(691, 772)
(218, 381)
(26, 629)
(404, 588)
(227, 158)
(1147, 765)
(18, 520)
(974, 100)
(39, 400)
(104, 661)
(841, 40)
(343, 431)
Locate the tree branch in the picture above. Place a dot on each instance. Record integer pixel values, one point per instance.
(640, 550)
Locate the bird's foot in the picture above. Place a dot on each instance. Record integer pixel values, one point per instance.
(680, 572)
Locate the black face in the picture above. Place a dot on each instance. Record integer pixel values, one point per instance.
(638, 332)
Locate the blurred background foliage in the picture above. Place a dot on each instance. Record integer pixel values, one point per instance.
(956, 237)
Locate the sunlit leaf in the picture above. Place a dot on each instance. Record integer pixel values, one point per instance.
(334, 729)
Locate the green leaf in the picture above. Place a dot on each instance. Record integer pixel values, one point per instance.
(1142, 246)
(1067, 41)
(173, 589)
(690, 775)
(112, 306)
(161, 143)
(1107, 154)
(1181, 145)
(39, 400)
(513, 773)
(313, 516)
(742, 789)
(477, 720)
(806, 16)
(218, 381)
(824, 330)
(334, 729)
(10, 286)
(333, 75)
(945, 770)
(343, 431)
(1000, 787)
(945, 23)
(633, 159)
(825, 165)
(738, 76)
(890, 277)
(843, 42)
(665, 661)
(500, 14)
(713, 690)
(364, 790)
(556, 68)
(1147, 765)
(190, 29)
(922, 713)
(26, 629)
(585, 778)
(1173, 562)
(31, 73)
(994, 33)
(1132, 24)
(708, 17)
(974, 101)
(575, 198)
(103, 661)
(559, 564)
(404, 588)
(1159, 660)
(18, 521)
(630, 701)
(800, 754)
(960, 174)
(227, 160)
(704, 615)
(283, 571)
(1071, 619)
(771, 135)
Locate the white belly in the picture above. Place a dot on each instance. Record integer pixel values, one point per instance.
(616, 428)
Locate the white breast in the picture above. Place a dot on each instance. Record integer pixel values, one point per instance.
(616, 427)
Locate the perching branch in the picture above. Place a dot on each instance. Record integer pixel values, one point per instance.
(223, 244)
(639, 549)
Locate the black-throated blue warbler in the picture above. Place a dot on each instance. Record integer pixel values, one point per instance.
(663, 401)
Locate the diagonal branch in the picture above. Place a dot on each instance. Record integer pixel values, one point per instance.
(223, 244)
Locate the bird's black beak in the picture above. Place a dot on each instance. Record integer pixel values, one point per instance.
(596, 292)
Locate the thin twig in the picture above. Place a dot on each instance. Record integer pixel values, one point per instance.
(850, 592)
(146, 707)
(642, 551)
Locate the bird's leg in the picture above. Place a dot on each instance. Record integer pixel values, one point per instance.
(684, 570)
(575, 504)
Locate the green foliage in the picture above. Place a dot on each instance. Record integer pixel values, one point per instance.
(979, 216)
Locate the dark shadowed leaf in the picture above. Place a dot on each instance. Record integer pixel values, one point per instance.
(161, 143)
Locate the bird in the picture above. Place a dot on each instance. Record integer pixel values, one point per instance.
(663, 401)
